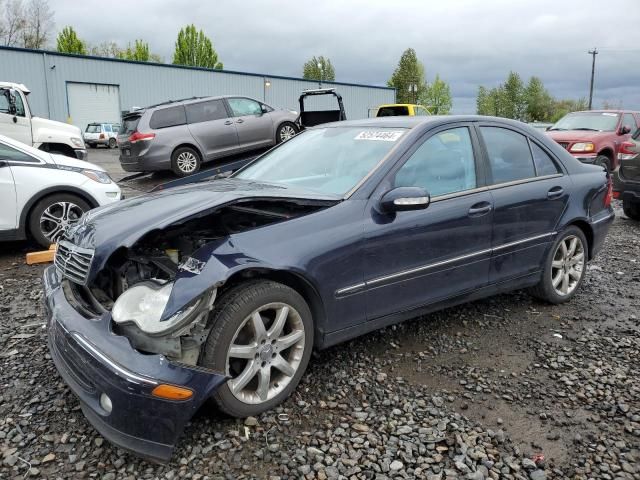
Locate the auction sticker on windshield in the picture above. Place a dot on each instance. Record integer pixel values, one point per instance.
(379, 136)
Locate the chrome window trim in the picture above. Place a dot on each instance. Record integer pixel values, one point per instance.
(496, 186)
(461, 193)
(363, 285)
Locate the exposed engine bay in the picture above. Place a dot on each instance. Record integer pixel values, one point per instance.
(136, 282)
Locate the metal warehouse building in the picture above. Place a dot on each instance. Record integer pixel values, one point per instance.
(80, 89)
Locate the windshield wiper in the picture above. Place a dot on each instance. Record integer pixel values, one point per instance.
(556, 128)
(586, 128)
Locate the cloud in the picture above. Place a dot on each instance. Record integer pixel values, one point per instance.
(469, 43)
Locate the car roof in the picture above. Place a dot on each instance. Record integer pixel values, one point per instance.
(18, 86)
(412, 122)
(606, 111)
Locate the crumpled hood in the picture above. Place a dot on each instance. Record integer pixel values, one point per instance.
(121, 224)
(578, 135)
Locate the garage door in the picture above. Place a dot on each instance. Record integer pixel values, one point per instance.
(93, 102)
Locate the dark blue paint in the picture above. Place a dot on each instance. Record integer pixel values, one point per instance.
(350, 243)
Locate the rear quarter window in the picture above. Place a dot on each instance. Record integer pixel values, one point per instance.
(168, 117)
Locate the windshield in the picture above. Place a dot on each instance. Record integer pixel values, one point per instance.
(328, 160)
(596, 121)
(93, 128)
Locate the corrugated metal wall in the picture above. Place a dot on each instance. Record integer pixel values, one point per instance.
(46, 75)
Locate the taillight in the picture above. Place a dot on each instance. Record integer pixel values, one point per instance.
(625, 153)
(101, 136)
(137, 137)
(609, 196)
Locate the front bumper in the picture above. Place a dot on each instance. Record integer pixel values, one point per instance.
(81, 153)
(94, 361)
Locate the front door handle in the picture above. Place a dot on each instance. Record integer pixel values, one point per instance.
(228, 122)
(555, 192)
(240, 120)
(479, 209)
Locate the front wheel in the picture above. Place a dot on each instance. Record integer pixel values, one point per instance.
(564, 267)
(53, 214)
(185, 161)
(631, 210)
(261, 338)
(286, 131)
(603, 161)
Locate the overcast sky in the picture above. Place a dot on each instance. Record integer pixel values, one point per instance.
(469, 43)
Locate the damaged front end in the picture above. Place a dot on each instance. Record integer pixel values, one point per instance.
(151, 288)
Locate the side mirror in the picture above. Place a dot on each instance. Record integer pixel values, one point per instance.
(624, 130)
(264, 109)
(401, 199)
(548, 128)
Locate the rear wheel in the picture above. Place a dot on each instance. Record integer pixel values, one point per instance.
(564, 268)
(113, 143)
(286, 131)
(53, 214)
(631, 210)
(262, 338)
(185, 161)
(603, 161)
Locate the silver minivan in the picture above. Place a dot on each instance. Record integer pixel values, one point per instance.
(182, 135)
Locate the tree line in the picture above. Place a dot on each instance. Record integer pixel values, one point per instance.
(529, 103)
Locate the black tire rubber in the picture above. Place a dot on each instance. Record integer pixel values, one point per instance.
(631, 210)
(174, 160)
(228, 314)
(604, 161)
(544, 289)
(42, 205)
(281, 126)
(112, 143)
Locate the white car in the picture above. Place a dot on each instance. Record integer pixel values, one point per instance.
(101, 134)
(41, 193)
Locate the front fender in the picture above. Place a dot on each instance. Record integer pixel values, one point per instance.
(210, 266)
(49, 135)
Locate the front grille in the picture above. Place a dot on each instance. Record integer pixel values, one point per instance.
(68, 352)
(73, 262)
(564, 145)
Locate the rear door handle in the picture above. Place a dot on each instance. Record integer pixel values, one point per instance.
(555, 192)
(228, 122)
(479, 209)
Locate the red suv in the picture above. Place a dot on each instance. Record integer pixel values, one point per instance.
(595, 136)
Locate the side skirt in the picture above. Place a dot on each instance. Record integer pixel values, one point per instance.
(333, 338)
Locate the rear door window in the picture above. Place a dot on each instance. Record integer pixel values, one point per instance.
(168, 117)
(206, 111)
(509, 155)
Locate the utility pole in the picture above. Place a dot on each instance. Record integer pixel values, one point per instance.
(593, 54)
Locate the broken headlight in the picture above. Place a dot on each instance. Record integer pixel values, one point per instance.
(143, 305)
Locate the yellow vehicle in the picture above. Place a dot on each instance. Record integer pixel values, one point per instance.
(401, 109)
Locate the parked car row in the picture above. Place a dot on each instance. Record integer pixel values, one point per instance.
(220, 290)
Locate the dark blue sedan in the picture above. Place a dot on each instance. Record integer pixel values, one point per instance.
(220, 290)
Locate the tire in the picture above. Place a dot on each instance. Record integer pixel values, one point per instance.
(545, 289)
(41, 225)
(604, 161)
(233, 320)
(113, 143)
(285, 131)
(631, 210)
(185, 161)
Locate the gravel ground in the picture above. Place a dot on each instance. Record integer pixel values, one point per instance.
(501, 388)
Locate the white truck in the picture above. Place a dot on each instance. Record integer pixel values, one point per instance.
(17, 122)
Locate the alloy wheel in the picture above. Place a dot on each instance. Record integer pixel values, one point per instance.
(265, 353)
(287, 132)
(187, 162)
(57, 217)
(567, 267)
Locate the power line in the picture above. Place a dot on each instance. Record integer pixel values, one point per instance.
(593, 54)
